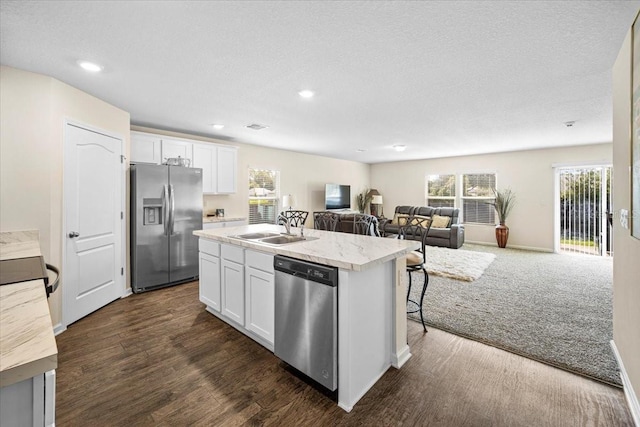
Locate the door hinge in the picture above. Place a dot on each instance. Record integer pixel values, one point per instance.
(122, 158)
(121, 215)
(122, 271)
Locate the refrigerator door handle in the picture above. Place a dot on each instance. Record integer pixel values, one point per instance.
(172, 209)
(165, 209)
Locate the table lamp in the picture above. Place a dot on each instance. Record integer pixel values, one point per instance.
(376, 201)
(287, 200)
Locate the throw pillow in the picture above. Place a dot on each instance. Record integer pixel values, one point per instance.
(402, 219)
(422, 221)
(440, 221)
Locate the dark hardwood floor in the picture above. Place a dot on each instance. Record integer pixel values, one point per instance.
(160, 359)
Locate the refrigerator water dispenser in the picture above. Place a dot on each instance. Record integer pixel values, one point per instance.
(152, 211)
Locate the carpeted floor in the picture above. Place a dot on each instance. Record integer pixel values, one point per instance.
(554, 308)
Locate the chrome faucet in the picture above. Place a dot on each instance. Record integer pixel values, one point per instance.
(302, 230)
(287, 225)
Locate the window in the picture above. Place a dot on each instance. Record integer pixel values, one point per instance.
(472, 193)
(441, 191)
(477, 194)
(264, 196)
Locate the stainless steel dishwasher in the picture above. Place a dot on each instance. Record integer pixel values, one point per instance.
(306, 318)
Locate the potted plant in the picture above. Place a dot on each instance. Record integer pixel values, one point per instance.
(363, 199)
(504, 202)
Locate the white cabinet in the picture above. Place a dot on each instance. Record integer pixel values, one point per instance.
(212, 225)
(205, 157)
(227, 169)
(260, 295)
(146, 148)
(30, 402)
(176, 148)
(232, 282)
(210, 273)
(210, 281)
(219, 167)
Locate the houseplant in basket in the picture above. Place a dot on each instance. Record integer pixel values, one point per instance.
(363, 199)
(504, 202)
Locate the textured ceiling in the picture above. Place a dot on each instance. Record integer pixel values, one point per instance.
(444, 78)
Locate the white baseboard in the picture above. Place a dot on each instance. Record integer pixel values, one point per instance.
(58, 329)
(526, 248)
(632, 397)
(127, 292)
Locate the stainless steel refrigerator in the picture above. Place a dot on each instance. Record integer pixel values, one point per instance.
(166, 207)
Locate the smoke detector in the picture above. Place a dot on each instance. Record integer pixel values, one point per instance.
(569, 124)
(256, 126)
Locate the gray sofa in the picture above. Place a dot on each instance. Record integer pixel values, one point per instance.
(451, 236)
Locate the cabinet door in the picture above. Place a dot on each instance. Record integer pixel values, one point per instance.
(204, 157)
(174, 148)
(227, 169)
(260, 303)
(232, 276)
(145, 148)
(210, 281)
(212, 225)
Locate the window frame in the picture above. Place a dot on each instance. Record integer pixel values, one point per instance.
(270, 199)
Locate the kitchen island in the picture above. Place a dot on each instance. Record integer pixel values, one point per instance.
(237, 285)
(28, 351)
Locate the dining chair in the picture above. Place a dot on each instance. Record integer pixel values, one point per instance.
(295, 218)
(416, 228)
(325, 220)
(366, 225)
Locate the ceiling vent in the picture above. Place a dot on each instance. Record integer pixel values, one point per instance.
(256, 126)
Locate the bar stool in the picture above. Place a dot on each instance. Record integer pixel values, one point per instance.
(295, 218)
(416, 228)
(325, 221)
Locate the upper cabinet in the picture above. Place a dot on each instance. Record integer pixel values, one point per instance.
(219, 167)
(219, 163)
(146, 148)
(176, 148)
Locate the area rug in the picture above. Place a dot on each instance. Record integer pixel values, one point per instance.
(457, 264)
(553, 308)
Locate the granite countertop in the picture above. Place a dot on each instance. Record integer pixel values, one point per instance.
(222, 219)
(27, 344)
(342, 250)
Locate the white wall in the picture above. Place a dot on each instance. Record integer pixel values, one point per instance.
(529, 174)
(626, 260)
(33, 108)
(302, 175)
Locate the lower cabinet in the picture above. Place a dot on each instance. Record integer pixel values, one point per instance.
(210, 280)
(30, 402)
(238, 286)
(232, 278)
(260, 303)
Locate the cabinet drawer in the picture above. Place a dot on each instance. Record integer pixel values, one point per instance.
(209, 247)
(233, 253)
(260, 261)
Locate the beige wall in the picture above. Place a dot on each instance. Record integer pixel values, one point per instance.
(302, 175)
(530, 175)
(626, 268)
(33, 110)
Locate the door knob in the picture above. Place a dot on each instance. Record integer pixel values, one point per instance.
(74, 234)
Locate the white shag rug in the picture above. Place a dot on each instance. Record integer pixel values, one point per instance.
(457, 263)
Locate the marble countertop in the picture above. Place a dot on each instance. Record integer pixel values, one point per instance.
(222, 219)
(342, 250)
(27, 344)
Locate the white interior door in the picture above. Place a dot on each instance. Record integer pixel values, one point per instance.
(93, 225)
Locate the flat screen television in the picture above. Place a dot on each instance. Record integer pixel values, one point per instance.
(337, 196)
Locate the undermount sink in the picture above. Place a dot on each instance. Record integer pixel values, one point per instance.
(255, 236)
(282, 239)
(273, 238)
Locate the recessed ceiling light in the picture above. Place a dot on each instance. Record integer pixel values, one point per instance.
(90, 66)
(361, 150)
(218, 126)
(306, 93)
(570, 124)
(399, 147)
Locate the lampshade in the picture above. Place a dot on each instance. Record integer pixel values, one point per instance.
(376, 200)
(287, 201)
